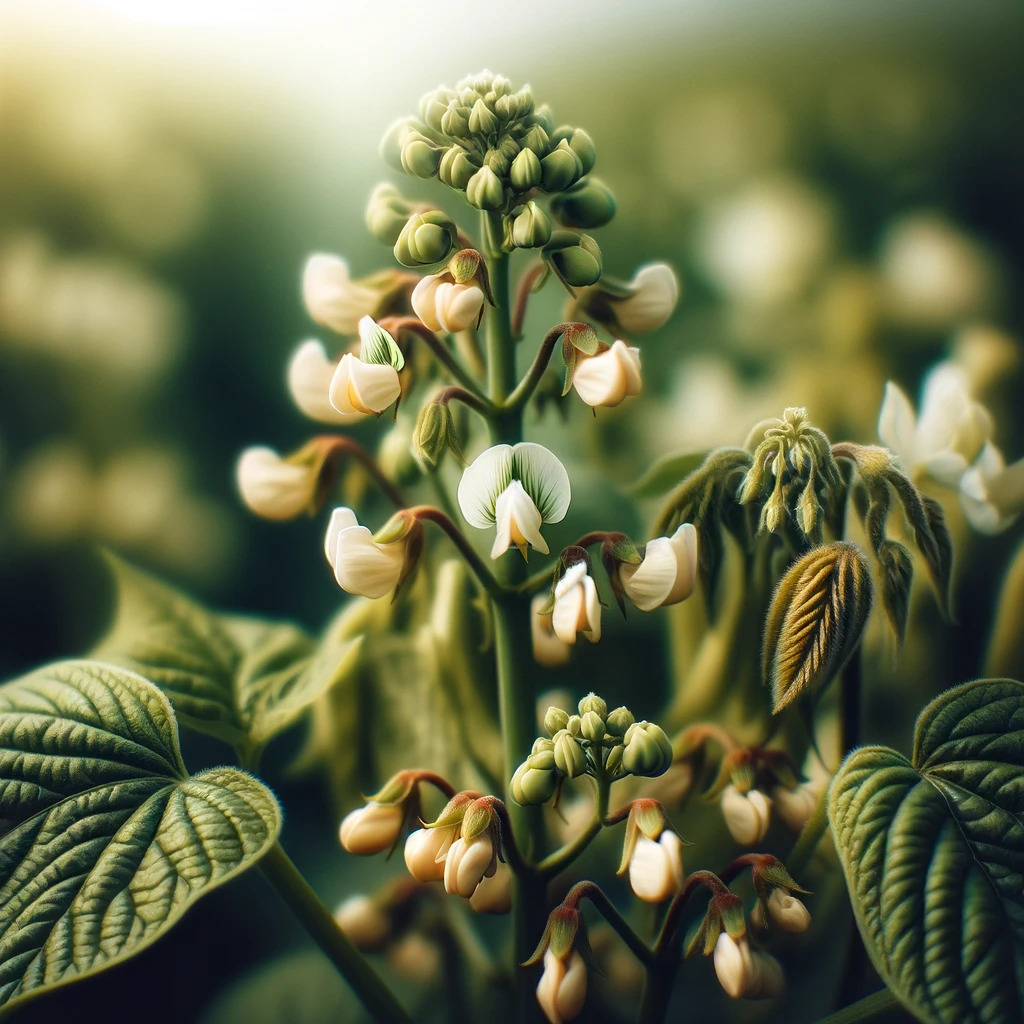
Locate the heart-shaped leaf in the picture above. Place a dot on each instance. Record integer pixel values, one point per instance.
(109, 839)
(815, 620)
(240, 679)
(933, 851)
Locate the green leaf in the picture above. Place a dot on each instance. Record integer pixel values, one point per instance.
(240, 679)
(815, 620)
(666, 473)
(933, 852)
(110, 839)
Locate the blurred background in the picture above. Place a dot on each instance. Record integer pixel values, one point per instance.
(838, 186)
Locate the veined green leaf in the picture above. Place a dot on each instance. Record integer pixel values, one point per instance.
(111, 839)
(933, 852)
(240, 679)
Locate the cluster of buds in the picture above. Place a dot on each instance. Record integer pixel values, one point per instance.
(597, 742)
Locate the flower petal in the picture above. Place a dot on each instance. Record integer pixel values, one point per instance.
(896, 425)
(482, 482)
(518, 521)
(458, 306)
(377, 347)
(332, 298)
(310, 373)
(655, 292)
(364, 567)
(423, 301)
(341, 519)
(272, 487)
(649, 584)
(544, 479)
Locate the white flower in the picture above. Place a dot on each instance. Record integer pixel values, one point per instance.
(668, 572)
(787, 912)
(746, 814)
(515, 488)
(577, 606)
(361, 565)
(309, 381)
(468, 863)
(371, 829)
(562, 989)
(656, 867)
(654, 292)
(443, 305)
(275, 488)
(426, 850)
(548, 650)
(992, 493)
(744, 973)
(795, 806)
(363, 922)
(947, 435)
(609, 377)
(332, 298)
(368, 383)
(494, 893)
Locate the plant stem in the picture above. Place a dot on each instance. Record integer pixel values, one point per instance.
(304, 903)
(476, 564)
(867, 1008)
(440, 351)
(563, 857)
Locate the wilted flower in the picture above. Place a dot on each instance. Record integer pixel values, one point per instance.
(667, 574)
(577, 607)
(310, 373)
(332, 298)
(276, 488)
(443, 305)
(608, 377)
(746, 814)
(373, 828)
(562, 989)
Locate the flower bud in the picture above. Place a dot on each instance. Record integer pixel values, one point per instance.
(426, 850)
(485, 190)
(468, 862)
(332, 298)
(577, 607)
(525, 172)
(785, 911)
(537, 141)
(482, 121)
(494, 893)
(654, 292)
(588, 204)
(746, 814)
(570, 757)
(386, 214)
(363, 921)
(498, 160)
(593, 703)
(744, 973)
(432, 108)
(372, 829)
(560, 168)
(455, 120)
(393, 141)
(618, 721)
(427, 238)
(434, 434)
(562, 989)
(548, 650)
(555, 719)
(648, 750)
(443, 305)
(592, 727)
(795, 806)
(656, 867)
(419, 157)
(575, 257)
(583, 146)
(456, 168)
(533, 785)
(608, 378)
(531, 227)
(276, 488)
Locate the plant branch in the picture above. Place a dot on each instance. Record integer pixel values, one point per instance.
(523, 292)
(345, 447)
(439, 350)
(589, 890)
(565, 855)
(525, 388)
(458, 538)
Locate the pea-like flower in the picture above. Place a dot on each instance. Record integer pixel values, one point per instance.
(745, 973)
(548, 650)
(785, 911)
(656, 867)
(609, 377)
(361, 564)
(577, 607)
(373, 828)
(746, 814)
(650, 301)
(443, 305)
(992, 493)
(368, 383)
(277, 488)
(515, 489)
(562, 989)
(468, 863)
(332, 298)
(310, 373)
(667, 574)
(426, 850)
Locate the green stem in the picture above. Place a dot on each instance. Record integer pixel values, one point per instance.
(593, 892)
(440, 351)
(525, 388)
(658, 985)
(563, 857)
(304, 903)
(867, 1008)
(810, 835)
(472, 559)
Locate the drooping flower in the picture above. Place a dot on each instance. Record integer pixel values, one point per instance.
(548, 650)
(745, 973)
(426, 850)
(515, 488)
(667, 574)
(651, 298)
(746, 814)
(785, 911)
(361, 564)
(656, 867)
(443, 305)
(562, 989)
(332, 298)
(372, 829)
(368, 383)
(577, 607)
(609, 377)
(468, 863)
(310, 373)
(277, 488)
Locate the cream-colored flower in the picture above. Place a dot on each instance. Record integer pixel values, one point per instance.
(361, 565)
(363, 921)
(426, 850)
(468, 863)
(548, 650)
(609, 377)
(332, 298)
(577, 606)
(656, 867)
(785, 911)
(310, 373)
(745, 973)
(494, 893)
(562, 989)
(275, 488)
(746, 814)
(668, 572)
(368, 383)
(443, 305)
(654, 292)
(992, 493)
(371, 829)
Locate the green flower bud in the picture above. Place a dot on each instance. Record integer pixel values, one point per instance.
(583, 146)
(394, 141)
(593, 703)
(614, 758)
(576, 258)
(570, 757)
(532, 786)
(588, 204)
(455, 120)
(485, 190)
(542, 116)
(482, 121)
(419, 157)
(507, 107)
(537, 141)
(542, 743)
(426, 239)
(497, 161)
(386, 214)
(525, 171)
(560, 168)
(432, 108)
(542, 760)
(501, 85)
(648, 750)
(531, 227)
(434, 434)
(619, 721)
(574, 724)
(593, 727)
(555, 719)
(456, 168)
